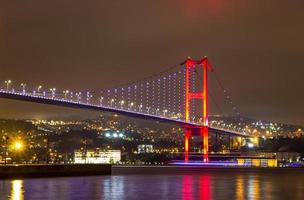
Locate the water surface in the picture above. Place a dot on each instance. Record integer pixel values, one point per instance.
(204, 185)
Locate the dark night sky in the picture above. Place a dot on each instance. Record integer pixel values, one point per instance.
(257, 47)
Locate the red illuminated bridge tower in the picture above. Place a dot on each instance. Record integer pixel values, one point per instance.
(197, 66)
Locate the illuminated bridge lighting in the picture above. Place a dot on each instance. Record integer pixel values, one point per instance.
(170, 97)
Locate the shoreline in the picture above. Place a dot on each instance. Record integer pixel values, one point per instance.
(74, 170)
(58, 170)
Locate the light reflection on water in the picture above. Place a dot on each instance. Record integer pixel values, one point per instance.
(186, 187)
(239, 189)
(17, 190)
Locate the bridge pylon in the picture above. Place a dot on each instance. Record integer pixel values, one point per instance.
(200, 95)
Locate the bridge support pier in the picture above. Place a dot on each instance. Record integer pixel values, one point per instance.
(187, 142)
(203, 132)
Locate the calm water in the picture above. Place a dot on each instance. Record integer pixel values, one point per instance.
(215, 185)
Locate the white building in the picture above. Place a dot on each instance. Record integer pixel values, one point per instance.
(97, 157)
(145, 148)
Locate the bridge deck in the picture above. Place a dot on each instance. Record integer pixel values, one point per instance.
(77, 105)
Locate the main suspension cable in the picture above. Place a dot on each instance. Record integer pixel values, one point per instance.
(227, 96)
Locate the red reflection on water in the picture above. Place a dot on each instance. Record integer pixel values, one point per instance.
(190, 189)
(187, 188)
(205, 188)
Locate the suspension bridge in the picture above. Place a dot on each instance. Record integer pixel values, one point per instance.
(178, 96)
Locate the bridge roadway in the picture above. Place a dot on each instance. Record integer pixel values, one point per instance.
(79, 105)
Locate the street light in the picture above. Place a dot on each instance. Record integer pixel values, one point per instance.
(78, 97)
(131, 105)
(65, 92)
(53, 90)
(39, 88)
(71, 96)
(100, 100)
(23, 85)
(89, 96)
(111, 102)
(122, 102)
(8, 82)
(18, 145)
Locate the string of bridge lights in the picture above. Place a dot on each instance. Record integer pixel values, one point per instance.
(227, 97)
(157, 91)
(159, 95)
(64, 96)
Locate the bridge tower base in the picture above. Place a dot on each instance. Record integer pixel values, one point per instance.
(205, 136)
(187, 143)
(203, 133)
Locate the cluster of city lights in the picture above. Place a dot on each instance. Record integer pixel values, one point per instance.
(114, 135)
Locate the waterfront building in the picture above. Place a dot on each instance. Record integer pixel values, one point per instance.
(145, 148)
(257, 162)
(97, 157)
